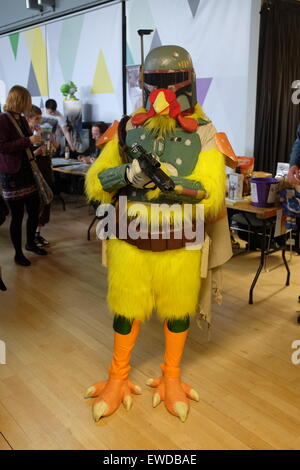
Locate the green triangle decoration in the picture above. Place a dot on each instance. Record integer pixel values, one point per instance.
(156, 42)
(68, 45)
(129, 57)
(14, 42)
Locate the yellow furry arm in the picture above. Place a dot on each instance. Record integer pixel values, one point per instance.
(108, 159)
(210, 173)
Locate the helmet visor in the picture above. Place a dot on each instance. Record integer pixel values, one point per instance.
(168, 80)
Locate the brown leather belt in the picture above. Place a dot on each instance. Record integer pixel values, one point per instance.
(157, 244)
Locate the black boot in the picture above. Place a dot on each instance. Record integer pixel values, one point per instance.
(35, 249)
(21, 260)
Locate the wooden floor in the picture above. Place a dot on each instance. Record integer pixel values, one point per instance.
(59, 340)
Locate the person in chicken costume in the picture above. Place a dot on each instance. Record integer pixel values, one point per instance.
(158, 274)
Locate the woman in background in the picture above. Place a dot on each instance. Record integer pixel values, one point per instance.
(16, 178)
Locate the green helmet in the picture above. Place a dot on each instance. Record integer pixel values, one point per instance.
(170, 67)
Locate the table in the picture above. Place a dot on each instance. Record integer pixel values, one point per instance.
(265, 214)
(70, 167)
(246, 206)
(74, 168)
(61, 161)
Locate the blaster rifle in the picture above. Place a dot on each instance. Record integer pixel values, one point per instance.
(151, 167)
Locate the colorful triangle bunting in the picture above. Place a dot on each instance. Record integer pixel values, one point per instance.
(14, 41)
(194, 6)
(102, 82)
(32, 84)
(156, 42)
(129, 57)
(202, 85)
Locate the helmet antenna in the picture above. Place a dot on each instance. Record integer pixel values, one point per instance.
(142, 33)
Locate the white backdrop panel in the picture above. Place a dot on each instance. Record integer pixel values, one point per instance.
(220, 36)
(100, 30)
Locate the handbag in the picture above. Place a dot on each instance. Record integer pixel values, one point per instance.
(44, 190)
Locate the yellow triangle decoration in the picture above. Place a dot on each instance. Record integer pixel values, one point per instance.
(29, 36)
(38, 53)
(102, 82)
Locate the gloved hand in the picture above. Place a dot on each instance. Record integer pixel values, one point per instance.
(137, 177)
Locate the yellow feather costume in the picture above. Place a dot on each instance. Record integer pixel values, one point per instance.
(169, 282)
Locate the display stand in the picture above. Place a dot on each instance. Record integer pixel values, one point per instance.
(73, 114)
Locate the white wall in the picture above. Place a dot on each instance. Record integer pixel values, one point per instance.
(74, 47)
(45, 57)
(221, 36)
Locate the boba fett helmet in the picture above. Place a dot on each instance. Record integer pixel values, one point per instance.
(170, 67)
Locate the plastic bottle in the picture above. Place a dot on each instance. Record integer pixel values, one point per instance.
(67, 152)
(37, 131)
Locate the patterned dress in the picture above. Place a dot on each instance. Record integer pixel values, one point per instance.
(21, 184)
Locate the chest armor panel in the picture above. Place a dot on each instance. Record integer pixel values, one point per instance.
(178, 148)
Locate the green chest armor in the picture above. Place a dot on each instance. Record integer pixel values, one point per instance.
(179, 149)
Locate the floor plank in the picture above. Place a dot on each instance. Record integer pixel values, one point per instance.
(4, 444)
